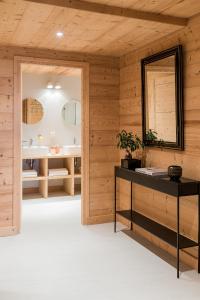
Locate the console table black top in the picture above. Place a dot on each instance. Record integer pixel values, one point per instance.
(183, 187)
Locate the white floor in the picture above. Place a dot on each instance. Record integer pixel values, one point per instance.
(56, 258)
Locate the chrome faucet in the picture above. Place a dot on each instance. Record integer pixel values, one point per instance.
(30, 142)
(74, 140)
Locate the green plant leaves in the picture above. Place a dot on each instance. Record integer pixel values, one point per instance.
(151, 135)
(129, 142)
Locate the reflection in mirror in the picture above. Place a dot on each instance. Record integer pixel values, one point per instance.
(162, 90)
(32, 111)
(160, 98)
(78, 113)
(71, 113)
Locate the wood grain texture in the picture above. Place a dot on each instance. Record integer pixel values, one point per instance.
(112, 10)
(151, 203)
(183, 8)
(28, 24)
(51, 70)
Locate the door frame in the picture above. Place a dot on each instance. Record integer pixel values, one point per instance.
(17, 132)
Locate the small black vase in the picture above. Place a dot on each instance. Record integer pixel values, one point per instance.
(174, 172)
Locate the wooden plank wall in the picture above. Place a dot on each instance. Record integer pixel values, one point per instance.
(154, 204)
(104, 121)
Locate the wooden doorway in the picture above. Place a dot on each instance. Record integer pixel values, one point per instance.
(17, 194)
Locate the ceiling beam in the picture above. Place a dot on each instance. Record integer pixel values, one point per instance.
(115, 11)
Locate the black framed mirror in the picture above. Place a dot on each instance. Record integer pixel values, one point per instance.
(162, 99)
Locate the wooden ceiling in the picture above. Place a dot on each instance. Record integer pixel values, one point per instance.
(177, 8)
(94, 29)
(50, 70)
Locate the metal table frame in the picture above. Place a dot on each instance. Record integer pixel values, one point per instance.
(191, 188)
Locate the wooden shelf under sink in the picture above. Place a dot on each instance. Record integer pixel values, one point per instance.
(33, 178)
(59, 177)
(47, 184)
(77, 175)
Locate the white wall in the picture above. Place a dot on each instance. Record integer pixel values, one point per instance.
(52, 100)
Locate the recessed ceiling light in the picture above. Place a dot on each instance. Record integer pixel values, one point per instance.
(59, 34)
(57, 86)
(49, 85)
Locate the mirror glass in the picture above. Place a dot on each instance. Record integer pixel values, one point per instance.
(71, 113)
(162, 99)
(32, 111)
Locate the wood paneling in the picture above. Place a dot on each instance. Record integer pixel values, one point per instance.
(112, 10)
(28, 24)
(51, 70)
(151, 203)
(183, 8)
(6, 210)
(103, 96)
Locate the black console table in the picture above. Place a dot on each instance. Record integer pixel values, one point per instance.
(185, 187)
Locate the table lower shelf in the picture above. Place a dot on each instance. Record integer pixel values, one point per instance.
(162, 232)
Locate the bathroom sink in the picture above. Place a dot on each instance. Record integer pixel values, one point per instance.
(30, 151)
(72, 149)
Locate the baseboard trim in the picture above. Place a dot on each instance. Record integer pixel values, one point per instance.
(8, 231)
(100, 219)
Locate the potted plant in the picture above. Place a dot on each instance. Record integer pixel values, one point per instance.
(130, 143)
(151, 138)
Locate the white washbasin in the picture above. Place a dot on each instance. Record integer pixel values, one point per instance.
(30, 151)
(72, 149)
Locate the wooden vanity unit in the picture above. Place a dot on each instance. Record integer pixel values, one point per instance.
(53, 185)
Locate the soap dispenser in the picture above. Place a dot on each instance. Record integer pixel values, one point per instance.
(40, 139)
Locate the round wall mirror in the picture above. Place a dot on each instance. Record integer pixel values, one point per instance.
(32, 111)
(71, 113)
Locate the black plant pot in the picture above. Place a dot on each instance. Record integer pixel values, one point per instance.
(148, 142)
(130, 164)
